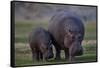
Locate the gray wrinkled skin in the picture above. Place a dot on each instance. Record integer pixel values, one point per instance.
(40, 44)
(67, 33)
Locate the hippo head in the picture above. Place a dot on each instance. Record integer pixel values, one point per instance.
(49, 53)
(74, 40)
(47, 50)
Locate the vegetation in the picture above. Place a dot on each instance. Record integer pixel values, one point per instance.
(23, 54)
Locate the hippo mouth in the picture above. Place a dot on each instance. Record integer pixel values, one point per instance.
(77, 49)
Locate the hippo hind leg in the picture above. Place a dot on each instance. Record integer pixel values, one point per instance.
(34, 55)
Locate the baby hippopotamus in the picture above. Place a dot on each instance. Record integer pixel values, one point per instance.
(40, 44)
(67, 32)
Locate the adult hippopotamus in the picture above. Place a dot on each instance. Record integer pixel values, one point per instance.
(67, 32)
(40, 44)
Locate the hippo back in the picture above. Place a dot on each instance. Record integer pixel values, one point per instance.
(62, 22)
(39, 35)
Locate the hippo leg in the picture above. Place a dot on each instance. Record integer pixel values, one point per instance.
(37, 56)
(66, 50)
(34, 55)
(57, 53)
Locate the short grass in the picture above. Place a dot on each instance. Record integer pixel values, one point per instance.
(23, 54)
(90, 31)
(22, 30)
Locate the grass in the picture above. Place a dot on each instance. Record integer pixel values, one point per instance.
(24, 62)
(23, 54)
(22, 30)
(90, 31)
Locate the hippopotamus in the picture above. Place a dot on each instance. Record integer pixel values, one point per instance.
(67, 33)
(41, 44)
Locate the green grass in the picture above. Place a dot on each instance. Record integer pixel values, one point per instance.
(27, 61)
(22, 30)
(23, 54)
(90, 31)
